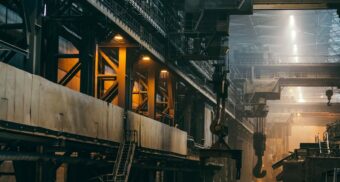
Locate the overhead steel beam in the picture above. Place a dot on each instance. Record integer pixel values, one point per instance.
(310, 82)
(68, 55)
(22, 156)
(293, 5)
(12, 26)
(9, 56)
(99, 5)
(303, 107)
(13, 47)
(147, 16)
(290, 6)
(288, 65)
(70, 75)
(105, 11)
(296, 1)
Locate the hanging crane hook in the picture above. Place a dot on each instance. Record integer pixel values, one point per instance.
(259, 144)
(329, 94)
(257, 171)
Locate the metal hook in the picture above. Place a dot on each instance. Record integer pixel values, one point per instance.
(257, 171)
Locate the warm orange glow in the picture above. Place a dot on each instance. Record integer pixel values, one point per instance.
(298, 114)
(146, 58)
(118, 38)
(303, 134)
(164, 74)
(164, 71)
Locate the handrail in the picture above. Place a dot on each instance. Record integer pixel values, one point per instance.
(131, 136)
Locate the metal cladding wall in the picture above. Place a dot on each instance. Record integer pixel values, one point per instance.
(155, 135)
(31, 100)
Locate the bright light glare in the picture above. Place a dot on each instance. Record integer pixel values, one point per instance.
(118, 38)
(302, 100)
(146, 58)
(164, 71)
(295, 49)
(293, 35)
(291, 20)
(300, 93)
(296, 59)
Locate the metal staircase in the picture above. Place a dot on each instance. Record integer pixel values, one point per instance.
(124, 159)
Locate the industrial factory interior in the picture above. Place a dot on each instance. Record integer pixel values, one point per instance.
(169, 90)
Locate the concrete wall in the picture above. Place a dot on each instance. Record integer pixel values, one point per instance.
(32, 100)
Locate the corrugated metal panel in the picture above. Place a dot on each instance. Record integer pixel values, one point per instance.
(19, 94)
(9, 92)
(134, 121)
(3, 100)
(103, 125)
(115, 126)
(32, 100)
(158, 136)
(35, 99)
(52, 107)
(28, 81)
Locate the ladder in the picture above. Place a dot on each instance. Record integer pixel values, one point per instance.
(124, 159)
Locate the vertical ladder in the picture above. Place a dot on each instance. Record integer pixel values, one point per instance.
(124, 159)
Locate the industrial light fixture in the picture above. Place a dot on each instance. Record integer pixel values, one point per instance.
(164, 71)
(118, 38)
(164, 74)
(146, 58)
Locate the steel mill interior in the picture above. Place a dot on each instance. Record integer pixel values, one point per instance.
(169, 90)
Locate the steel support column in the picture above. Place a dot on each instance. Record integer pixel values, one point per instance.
(152, 80)
(50, 59)
(171, 97)
(87, 59)
(187, 113)
(130, 59)
(34, 34)
(121, 77)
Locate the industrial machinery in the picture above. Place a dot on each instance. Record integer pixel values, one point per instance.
(259, 144)
(329, 94)
(333, 130)
(219, 124)
(314, 162)
(207, 34)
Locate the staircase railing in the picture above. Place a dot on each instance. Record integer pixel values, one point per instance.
(124, 159)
